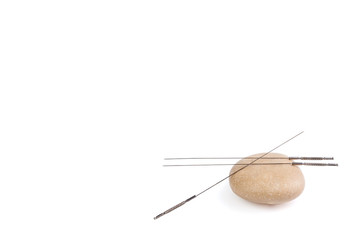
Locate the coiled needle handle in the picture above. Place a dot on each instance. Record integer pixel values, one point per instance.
(315, 164)
(175, 207)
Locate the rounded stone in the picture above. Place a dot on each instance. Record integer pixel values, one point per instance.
(267, 184)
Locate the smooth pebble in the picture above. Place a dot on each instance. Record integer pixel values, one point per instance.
(267, 184)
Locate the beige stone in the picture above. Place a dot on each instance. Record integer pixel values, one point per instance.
(267, 184)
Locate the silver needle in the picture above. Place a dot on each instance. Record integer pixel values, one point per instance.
(254, 164)
(192, 197)
(289, 158)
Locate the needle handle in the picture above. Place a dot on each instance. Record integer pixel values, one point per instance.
(174, 207)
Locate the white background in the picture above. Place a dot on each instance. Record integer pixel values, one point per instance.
(94, 94)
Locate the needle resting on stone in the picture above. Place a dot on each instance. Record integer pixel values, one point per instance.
(254, 164)
(213, 185)
(267, 178)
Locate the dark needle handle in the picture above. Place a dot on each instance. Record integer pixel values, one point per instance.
(314, 164)
(174, 207)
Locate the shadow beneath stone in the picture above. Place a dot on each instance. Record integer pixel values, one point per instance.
(231, 200)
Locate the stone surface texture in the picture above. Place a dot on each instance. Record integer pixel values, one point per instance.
(267, 184)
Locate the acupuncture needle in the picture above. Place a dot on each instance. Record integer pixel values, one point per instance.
(213, 185)
(288, 158)
(254, 164)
